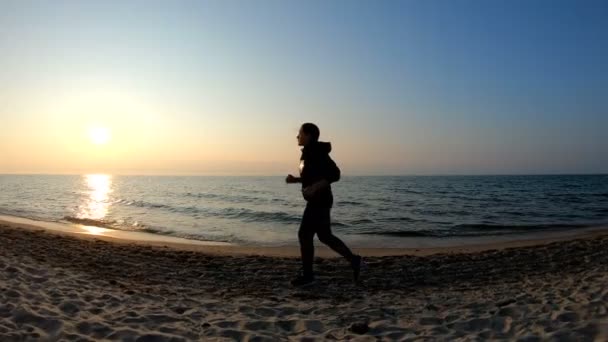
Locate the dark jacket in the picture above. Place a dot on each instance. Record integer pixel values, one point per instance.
(315, 165)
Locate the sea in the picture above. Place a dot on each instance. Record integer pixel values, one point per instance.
(374, 211)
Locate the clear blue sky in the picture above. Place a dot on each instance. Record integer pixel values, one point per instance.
(399, 87)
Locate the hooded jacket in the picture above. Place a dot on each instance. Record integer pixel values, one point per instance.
(316, 165)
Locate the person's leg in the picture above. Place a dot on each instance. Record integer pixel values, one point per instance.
(305, 236)
(325, 235)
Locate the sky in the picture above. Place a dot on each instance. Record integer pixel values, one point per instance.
(221, 87)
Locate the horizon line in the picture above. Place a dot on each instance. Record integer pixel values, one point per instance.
(343, 175)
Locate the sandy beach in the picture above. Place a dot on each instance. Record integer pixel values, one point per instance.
(58, 286)
(219, 171)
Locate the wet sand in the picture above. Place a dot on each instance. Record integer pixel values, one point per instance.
(64, 286)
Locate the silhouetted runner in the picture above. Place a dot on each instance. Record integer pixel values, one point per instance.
(317, 172)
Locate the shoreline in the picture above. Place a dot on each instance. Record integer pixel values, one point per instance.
(223, 248)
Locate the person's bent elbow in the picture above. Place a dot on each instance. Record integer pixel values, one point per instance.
(335, 176)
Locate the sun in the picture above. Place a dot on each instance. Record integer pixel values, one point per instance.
(99, 135)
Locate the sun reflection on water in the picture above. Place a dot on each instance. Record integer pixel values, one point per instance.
(97, 203)
(95, 230)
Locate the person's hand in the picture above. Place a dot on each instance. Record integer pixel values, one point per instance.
(291, 179)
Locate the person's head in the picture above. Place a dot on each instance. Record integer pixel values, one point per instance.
(309, 133)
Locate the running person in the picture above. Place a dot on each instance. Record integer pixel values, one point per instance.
(317, 172)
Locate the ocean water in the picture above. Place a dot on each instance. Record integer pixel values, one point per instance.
(368, 211)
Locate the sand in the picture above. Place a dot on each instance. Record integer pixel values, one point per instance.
(62, 287)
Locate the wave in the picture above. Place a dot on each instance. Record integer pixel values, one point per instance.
(361, 221)
(411, 192)
(405, 233)
(249, 215)
(155, 231)
(91, 222)
(231, 238)
(398, 219)
(476, 230)
(136, 227)
(436, 212)
(516, 228)
(235, 198)
(144, 204)
(352, 203)
(383, 220)
(243, 214)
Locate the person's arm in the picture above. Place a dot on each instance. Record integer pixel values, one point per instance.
(291, 179)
